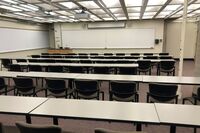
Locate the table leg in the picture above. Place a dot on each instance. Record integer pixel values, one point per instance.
(28, 119)
(172, 129)
(55, 120)
(138, 127)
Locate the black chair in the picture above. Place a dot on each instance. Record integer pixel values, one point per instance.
(150, 57)
(123, 91)
(87, 89)
(45, 56)
(33, 60)
(94, 54)
(57, 88)
(120, 54)
(144, 66)
(55, 69)
(21, 60)
(82, 54)
(35, 56)
(101, 70)
(194, 99)
(127, 71)
(134, 54)
(44, 53)
(33, 128)
(63, 61)
(24, 86)
(5, 63)
(86, 61)
(148, 54)
(35, 68)
(166, 67)
(102, 130)
(15, 67)
(162, 93)
(83, 57)
(166, 57)
(163, 53)
(108, 54)
(1, 128)
(3, 87)
(76, 69)
(48, 61)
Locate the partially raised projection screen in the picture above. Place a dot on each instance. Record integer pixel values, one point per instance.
(18, 39)
(109, 38)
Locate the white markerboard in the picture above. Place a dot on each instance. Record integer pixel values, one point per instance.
(109, 38)
(18, 39)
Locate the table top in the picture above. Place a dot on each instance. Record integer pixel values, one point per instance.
(81, 64)
(98, 110)
(49, 75)
(108, 77)
(172, 80)
(9, 74)
(178, 114)
(19, 105)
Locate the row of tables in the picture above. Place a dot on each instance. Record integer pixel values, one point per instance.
(107, 77)
(139, 113)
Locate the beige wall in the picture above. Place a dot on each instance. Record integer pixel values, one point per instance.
(173, 38)
(158, 25)
(24, 26)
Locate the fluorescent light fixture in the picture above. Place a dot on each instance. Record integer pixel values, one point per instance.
(149, 13)
(133, 2)
(98, 11)
(62, 16)
(133, 17)
(177, 2)
(121, 18)
(52, 13)
(156, 2)
(134, 14)
(9, 8)
(29, 6)
(89, 4)
(134, 9)
(69, 5)
(152, 8)
(38, 18)
(147, 17)
(164, 13)
(10, 1)
(22, 8)
(116, 10)
(112, 3)
(193, 6)
(22, 14)
(171, 7)
(119, 15)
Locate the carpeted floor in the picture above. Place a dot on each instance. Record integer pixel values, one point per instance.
(88, 126)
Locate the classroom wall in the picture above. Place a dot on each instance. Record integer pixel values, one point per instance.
(173, 38)
(158, 25)
(14, 24)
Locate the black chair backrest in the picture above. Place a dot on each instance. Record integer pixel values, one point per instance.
(32, 128)
(33, 60)
(83, 57)
(75, 69)
(123, 89)
(15, 67)
(2, 83)
(63, 61)
(23, 84)
(47, 61)
(127, 70)
(101, 70)
(35, 68)
(150, 57)
(163, 53)
(82, 54)
(166, 57)
(35, 56)
(167, 65)
(57, 56)
(85, 61)
(55, 68)
(86, 87)
(6, 62)
(55, 85)
(21, 60)
(94, 54)
(131, 57)
(45, 54)
(144, 64)
(108, 54)
(120, 54)
(148, 53)
(134, 54)
(162, 92)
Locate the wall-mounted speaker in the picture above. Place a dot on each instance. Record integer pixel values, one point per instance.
(156, 41)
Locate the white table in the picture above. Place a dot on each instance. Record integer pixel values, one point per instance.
(19, 105)
(98, 110)
(178, 115)
(9, 74)
(172, 80)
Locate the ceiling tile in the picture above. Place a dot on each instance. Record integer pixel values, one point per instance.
(89, 4)
(156, 2)
(112, 3)
(133, 3)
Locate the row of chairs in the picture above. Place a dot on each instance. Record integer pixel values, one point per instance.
(36, 128)
(90, 89)
(106, 54)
